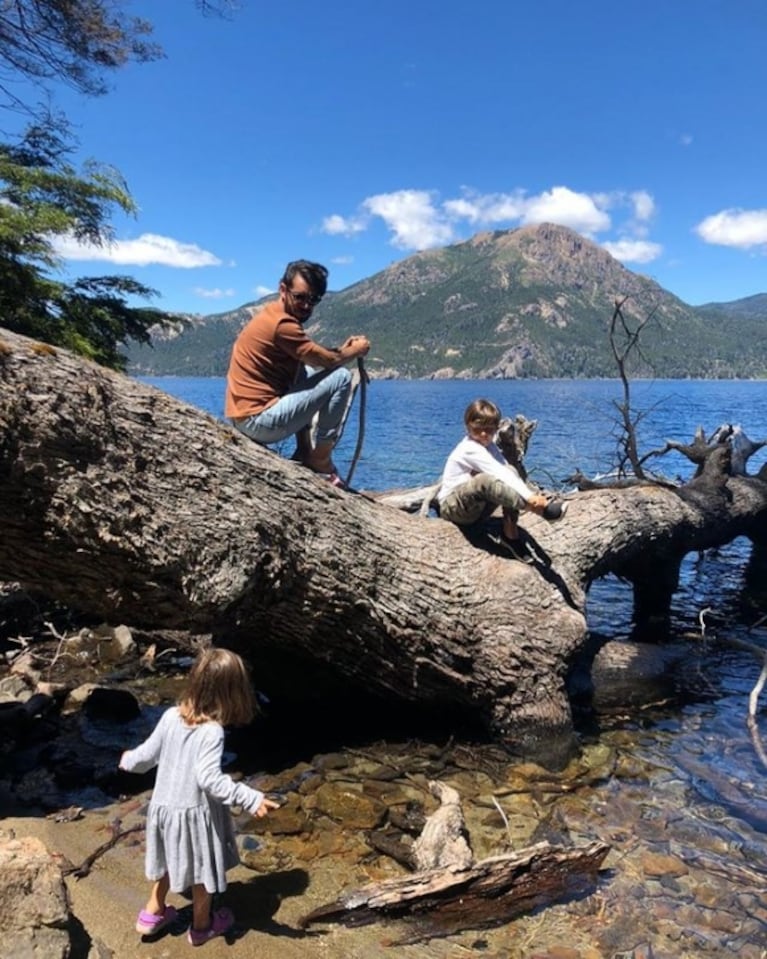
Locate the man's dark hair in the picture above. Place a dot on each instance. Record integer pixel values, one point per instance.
(314, 274)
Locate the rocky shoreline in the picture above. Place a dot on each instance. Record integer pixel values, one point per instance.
(348, 818)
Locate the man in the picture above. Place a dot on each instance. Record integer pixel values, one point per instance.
(279, 378)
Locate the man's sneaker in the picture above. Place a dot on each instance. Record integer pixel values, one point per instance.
(554, 509)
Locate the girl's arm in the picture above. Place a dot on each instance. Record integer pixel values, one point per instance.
(215, 782)
(147, 755)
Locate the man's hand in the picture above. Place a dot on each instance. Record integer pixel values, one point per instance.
(356, 346)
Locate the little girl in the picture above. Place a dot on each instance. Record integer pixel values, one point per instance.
(189, 831)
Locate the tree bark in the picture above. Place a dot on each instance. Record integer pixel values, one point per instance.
(123, 502)
(447, 900)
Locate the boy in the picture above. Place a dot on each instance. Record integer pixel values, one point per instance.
(477, 479)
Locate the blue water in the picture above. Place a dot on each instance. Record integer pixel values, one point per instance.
(411, 426)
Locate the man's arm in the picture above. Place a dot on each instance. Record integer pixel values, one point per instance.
(319, 356)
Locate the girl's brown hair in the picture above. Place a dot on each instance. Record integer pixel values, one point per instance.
(218, 689)
(482, 413)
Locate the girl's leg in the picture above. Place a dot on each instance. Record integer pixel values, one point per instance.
(207, 924)
(156, 902)
(156, 916)
(201, 903)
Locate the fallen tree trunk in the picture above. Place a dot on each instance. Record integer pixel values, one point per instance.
(120, 501)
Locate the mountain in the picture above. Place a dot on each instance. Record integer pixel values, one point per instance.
(531, 302)
(751, 307)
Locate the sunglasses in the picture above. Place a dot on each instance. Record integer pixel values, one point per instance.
(484, 427)
(305, 299)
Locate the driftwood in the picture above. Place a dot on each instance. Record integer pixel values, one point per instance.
(122, 502)
(443, 842)
(83, 870)
(489, 893)
(450, 893)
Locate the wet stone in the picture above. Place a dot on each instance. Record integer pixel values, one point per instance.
(13, 688)
(330, 761)
(383, 773)
(596, 760)
(409, 818)
(268, 859)
(309, 784)
(289, 780)
(287, 820)
(388, 793)
(471, 784)
(659, 865)
(349, 807)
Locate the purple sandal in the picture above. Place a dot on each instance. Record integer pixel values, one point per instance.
(149, 924)
(221, 922)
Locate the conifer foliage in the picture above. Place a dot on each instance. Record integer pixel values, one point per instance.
(43, 196)
(74, 41)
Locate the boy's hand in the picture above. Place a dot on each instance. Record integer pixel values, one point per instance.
(537, 502)
(263, 809)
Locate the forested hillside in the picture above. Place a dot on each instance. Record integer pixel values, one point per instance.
(530, 302)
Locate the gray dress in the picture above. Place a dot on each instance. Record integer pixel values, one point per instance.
(189, 830)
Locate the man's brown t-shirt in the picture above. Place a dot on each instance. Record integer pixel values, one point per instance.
(265, 361)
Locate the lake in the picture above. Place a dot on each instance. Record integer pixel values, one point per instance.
(697, 795)
(411, 425)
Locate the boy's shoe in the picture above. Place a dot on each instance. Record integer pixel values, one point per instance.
(554, 509)
(221, 921)
(149, 924)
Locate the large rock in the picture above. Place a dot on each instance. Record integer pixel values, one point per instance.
(34, 906)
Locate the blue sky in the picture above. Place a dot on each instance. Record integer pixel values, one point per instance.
(357, 133)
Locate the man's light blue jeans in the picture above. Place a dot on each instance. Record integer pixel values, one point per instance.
(325, 392)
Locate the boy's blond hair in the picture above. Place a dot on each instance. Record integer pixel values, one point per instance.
(219, 690)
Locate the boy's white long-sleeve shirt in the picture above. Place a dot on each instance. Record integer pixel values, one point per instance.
(469, 458)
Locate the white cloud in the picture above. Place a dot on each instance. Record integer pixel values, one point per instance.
(263, 291)
(412, 217)
(565, 207)
(490, 208)
(214, 294)
(644, 205)
(686, 139)
(634, 251)
(739, 228)
(342, 260)
(337, 225)
(148, 249)
(418, 221)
